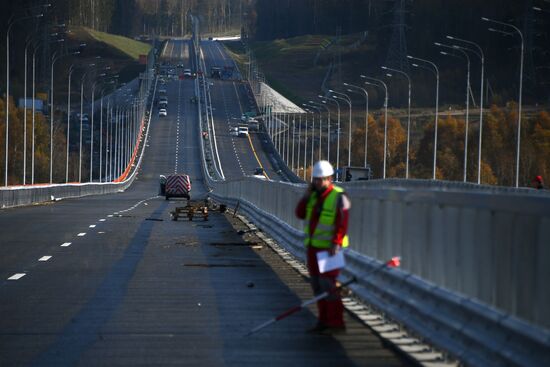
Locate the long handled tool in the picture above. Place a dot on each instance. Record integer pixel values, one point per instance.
(392, 263)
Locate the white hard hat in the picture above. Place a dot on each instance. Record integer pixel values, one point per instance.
(322, 169)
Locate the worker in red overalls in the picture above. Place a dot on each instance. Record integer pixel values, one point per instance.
(325, 208)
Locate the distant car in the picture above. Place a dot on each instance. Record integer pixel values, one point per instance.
(187, 73)
(163, 112)
(162, 182)
(234, 131)
(243, 131)
(216, 72)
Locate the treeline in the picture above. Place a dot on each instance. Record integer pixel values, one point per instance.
(498, 153)
(168, 17)
(153, 17)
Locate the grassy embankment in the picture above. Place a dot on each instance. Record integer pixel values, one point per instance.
(126, 45)
(120, 54)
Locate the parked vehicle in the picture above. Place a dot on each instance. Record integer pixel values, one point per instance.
(215, 72)
(163, 112)
(178, 186)
(248, 115)
(162, 182)
(356, 173)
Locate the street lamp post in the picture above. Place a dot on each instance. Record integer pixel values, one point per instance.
(436, 107)
(516, 29)
(25, 115)
(355, 88)
(8, 90)
(305, 146)
(338, 129)
(81, 120)
(299, 143)
(348, 100)
(55, 57)
(71, 69)
(320, 125)
(480, 54)
(293, 140)
(386, 99)
(467, 57)
(313, 131)
(408, 115)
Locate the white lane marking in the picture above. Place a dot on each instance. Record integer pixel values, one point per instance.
(101, 232)
(44, 258)
(82, 234)
(102, 220)
(17, 276)
(110, 216)
(66, 244)
(92, 225)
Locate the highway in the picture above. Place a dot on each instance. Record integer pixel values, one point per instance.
(239, 156)
(110, 280)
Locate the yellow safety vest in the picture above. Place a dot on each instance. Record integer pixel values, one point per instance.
(324, 231)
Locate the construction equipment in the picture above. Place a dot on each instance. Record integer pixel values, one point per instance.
(191, 210)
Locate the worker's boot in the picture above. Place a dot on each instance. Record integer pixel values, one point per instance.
(333, 330)
(317, 329)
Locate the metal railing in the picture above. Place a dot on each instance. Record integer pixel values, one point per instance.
(30, 194)
(474, 272)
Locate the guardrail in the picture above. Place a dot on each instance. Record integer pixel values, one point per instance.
(25, 195)
(474, 272)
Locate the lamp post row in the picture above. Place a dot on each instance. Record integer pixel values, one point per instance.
(464, 48)
(131, 116)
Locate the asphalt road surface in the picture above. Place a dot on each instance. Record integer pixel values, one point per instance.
(239, 156)
(111, 281)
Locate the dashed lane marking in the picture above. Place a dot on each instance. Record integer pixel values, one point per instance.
(66, 244)
(44, 258)
(17, 276)
(82, 234)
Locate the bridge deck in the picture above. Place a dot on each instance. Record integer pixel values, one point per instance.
(140, 289)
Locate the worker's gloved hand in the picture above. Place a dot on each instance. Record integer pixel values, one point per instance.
(334, 248)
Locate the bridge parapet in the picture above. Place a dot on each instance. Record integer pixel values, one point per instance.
(474, 258)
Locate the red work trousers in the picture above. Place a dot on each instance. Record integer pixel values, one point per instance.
(331, 309)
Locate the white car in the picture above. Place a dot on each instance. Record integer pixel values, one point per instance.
(163, 112)
(234, 131)
(243, 131)
(187, 73)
